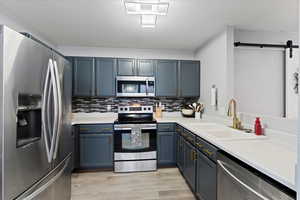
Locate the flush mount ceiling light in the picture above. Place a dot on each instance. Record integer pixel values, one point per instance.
(148, 21)
(137, 8)
(148, 10)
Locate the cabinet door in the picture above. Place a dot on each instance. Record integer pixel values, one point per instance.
(190, 165)
(83, 77)
(189, 78)
(105, 77)
(76, 154)
(166, 78)
(206, 178)
(165, 144)
(145, 67)
(180, 153)
(126, 67)
(96, 150)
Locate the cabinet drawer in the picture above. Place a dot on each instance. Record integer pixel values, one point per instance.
(178, 129)
(166, 127)
(96, 128)
(199, 143)
(206, 148)
(189, 136)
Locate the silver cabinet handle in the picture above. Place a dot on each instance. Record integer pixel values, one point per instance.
(241, 182)
(59, 101)
(46, 128)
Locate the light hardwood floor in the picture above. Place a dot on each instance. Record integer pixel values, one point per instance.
(165, 184)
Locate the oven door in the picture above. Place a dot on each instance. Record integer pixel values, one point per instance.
(126, 140)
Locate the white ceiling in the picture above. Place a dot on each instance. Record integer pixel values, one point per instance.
(188, 25)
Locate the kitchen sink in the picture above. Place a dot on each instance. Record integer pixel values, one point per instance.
(220, 132)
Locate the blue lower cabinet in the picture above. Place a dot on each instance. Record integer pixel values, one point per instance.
(189, 170)
(180, 153)
(206, 178)
(96, 150)
(166, 148)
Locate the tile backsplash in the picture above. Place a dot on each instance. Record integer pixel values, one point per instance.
(102, 105)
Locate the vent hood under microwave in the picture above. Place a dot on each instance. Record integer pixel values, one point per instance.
(135, 86)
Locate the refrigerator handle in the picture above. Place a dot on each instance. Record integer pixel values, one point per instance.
(59, 95)
(49, 183)
(56, 108)
(46, 128)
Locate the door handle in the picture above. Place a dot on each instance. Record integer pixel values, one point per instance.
(53, 179)
(220, 163)
(56, 109)
(46, 128)
(59, 101)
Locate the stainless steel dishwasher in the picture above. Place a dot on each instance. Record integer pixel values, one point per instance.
(238, 182)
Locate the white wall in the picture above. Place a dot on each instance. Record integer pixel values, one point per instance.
(216, 59)
(21, 27)
(126, 52)
(259, 73)
(233, 71)
(251, 36)
(259, 81)
(292, 67)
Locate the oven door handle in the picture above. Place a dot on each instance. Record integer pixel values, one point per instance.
(123, 129)
(149, 128)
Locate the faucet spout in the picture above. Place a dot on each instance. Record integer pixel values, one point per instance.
(232, 112)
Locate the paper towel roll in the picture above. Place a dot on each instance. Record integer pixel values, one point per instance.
(213, 99)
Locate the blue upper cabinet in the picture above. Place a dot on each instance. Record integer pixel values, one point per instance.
(83, 76)
(132, 67)
(126, 67)
(166, 78)
(189, 78)
(145, 67)
(96, 76)
(105, 77)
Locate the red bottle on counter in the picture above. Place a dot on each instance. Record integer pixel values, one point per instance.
(258, 128)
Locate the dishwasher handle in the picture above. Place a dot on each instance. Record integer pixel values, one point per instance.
(227, 171)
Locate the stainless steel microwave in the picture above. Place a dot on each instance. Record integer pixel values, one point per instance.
(135, 86)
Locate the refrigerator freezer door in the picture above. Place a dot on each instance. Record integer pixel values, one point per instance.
(24, 66)
(56, 185)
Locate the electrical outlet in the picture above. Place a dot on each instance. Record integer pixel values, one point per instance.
(108, 107)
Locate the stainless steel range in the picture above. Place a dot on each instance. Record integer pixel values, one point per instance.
(135, 139)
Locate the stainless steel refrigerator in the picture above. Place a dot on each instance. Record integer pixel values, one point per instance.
(36, 138)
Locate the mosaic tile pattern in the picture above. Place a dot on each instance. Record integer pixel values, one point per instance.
(101, 105)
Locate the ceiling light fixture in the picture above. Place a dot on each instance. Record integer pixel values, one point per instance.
(148, 10)
(137, 8)
(148, 21)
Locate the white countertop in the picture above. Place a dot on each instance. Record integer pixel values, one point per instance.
(263, 153)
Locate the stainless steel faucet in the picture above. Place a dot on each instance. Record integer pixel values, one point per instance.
(236, 123)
